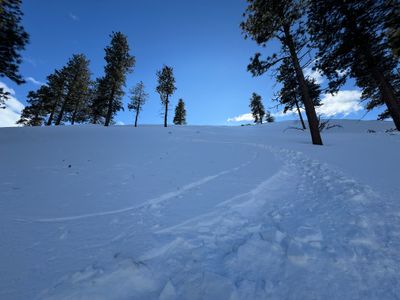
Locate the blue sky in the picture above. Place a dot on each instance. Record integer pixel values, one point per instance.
(201, 40)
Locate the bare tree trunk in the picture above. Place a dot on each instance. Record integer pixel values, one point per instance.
(50, 120)
(308, 103)
(386, 89)
(300, 115)
(74, 115)
(166, 112)
(61, 113)
(136, 118)
(109, 112)
(388, 96)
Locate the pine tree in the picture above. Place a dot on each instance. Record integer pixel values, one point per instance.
(34, 113)
(138, 98)
(78, 111)
(180, 113)
(118, 63)
(100, 94)
(76, 78)
(281, 19)
(269, 118)
(56, 84)
(290, 94)
(257, 108)
(352, 42)
(43, 102)
(393, 26)
(166, 88)
(13, 39)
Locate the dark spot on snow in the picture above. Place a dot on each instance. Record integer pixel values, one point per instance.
(169, 132)
(69, 166)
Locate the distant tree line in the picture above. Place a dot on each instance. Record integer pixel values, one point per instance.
(70, 95)
(357, 39)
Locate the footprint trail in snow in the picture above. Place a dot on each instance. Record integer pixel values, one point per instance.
(307, 232)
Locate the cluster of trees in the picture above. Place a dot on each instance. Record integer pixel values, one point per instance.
(350, 38)
(70, 96)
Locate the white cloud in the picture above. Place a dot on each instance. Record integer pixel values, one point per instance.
(316, 75)
(241, 118)
(281, 114)
(34, 81)
(74, 17)
(341, 103)
(120, 123)
(11, 114)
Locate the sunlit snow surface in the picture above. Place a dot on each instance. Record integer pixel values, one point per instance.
(88, 212)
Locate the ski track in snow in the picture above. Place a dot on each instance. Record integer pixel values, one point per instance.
(308, 232)
(148, 203)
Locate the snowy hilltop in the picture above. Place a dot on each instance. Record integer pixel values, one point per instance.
(200, 212)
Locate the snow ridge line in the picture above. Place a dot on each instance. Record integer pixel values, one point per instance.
(150, 202)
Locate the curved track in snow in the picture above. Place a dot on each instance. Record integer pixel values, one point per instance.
(307, 232)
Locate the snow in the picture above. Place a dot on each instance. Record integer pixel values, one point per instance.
(199, 212)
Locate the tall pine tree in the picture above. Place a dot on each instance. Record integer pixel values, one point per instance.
(56, 84)
(166, 88)
(257, 108)
(76, 78)
(281, 19)
(138, 98)
(180, 113)
(118, 63)
(100, 93)
(352, 41)
(13, 39)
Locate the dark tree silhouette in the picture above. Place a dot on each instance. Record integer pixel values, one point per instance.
(119, 63)
(180, 113)
(166, 88)
(281, 19)
(352, 42)
(257, 108)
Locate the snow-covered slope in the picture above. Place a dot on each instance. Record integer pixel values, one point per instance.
(254, 212)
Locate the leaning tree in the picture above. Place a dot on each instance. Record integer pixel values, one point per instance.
(266, 20)
(352, 42)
